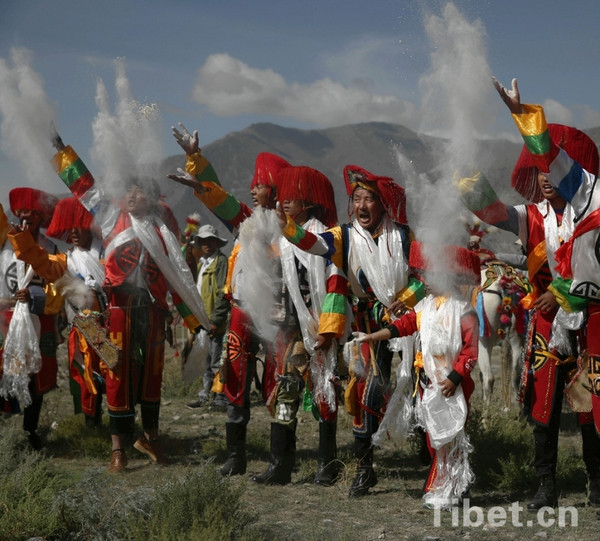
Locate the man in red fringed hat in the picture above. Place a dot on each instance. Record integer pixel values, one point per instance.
(552, 350)
(315, 300)
(373, 251)
(78, 274)
(34, 209)
(143, 263)
(243, 340)
(448, 328)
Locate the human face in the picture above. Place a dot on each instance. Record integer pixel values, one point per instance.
(30, 218)
(548, 191)
(262, 195)
(368, 209)
(296, 209)
(137, 202)
(81, 238)
(208, 246)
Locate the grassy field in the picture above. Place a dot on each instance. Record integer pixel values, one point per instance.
(66, 488)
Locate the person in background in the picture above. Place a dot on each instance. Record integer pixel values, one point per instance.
(211, 265)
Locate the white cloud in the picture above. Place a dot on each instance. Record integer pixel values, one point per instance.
(228, 87)
(557, 113)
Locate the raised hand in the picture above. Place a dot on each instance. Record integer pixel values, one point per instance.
(186, 140)
(511, 97)
(188, 180)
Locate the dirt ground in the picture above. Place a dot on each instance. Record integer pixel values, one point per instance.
(303, 511)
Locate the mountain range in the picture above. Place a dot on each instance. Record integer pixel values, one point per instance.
(373, 146)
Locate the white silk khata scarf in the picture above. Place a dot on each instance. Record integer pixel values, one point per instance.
(172, 264)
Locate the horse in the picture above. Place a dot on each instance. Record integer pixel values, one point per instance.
(503, 323)
(502, 318)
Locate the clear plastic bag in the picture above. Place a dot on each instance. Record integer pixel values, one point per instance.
(22, 355)
(194, 364)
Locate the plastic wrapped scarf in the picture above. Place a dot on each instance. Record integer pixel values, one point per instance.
(398, 422)
(173, 266)
(257, 273)
(322, 363)
(194, 364)
(441, 340)
(22, 355)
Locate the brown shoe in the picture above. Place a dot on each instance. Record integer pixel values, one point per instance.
(153, 449)
(118, 461)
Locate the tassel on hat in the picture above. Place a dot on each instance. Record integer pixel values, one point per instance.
(306, 184)
(266, 169)
(69, 213)
(32, 199)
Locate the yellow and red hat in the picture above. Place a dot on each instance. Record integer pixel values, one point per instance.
(391, 194)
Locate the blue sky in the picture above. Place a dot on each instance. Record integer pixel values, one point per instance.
(221, 66)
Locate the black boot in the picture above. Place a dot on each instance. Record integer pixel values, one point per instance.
(365, 474)
(328, 467)
(546, 494)
(236, 447)
(283, 443)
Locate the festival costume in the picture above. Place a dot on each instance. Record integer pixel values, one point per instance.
(143, 261)
(377, 270)
(44, 305)
(71, 271)
(242, 339)
(550, 361)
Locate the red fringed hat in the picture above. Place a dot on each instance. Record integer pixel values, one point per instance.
(32, 199)
(69, 213)
(266, 169)
(456, 260)
(311, 186)
(577, 145)
(390, 193)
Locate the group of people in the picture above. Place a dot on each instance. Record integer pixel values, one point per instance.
(306, 291)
